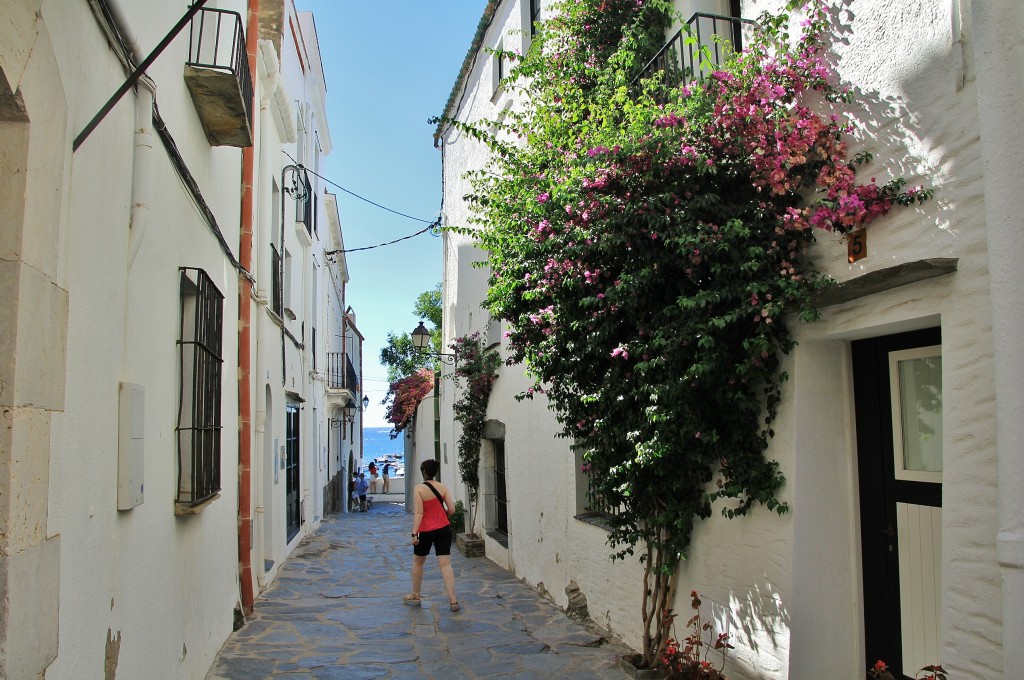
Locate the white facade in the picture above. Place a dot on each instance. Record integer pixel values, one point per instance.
(937, 90)
(114, 560)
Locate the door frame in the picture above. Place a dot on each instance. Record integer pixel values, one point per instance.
(880, 491)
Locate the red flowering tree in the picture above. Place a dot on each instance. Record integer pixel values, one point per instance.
(404, 395)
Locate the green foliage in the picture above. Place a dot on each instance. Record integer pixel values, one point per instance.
(476, 369)
(649, 249)
(399, 355)
(459, 518)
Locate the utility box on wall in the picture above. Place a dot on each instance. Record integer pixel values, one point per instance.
(130, 445)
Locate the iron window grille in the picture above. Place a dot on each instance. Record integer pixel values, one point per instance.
(500, 490)
(199, 404)
(217, 41)
(597, 504)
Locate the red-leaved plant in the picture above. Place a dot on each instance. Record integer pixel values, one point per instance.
(688, 659)
(881, 670)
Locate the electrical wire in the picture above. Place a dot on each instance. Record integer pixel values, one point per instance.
(429, 227)
(352, 193)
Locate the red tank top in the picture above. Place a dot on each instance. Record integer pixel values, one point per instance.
(434, 515)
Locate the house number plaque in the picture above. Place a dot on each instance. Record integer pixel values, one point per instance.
(856, 245)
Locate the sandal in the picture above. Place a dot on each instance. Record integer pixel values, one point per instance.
(412, 600)
(454, 606)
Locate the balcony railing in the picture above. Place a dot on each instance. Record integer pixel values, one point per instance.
(341, 374)
(704, 43)
(217, 75)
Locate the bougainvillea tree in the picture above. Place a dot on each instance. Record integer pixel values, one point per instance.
(404, 395)
(649, 248)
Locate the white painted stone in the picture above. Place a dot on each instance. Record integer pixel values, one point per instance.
(790, 586)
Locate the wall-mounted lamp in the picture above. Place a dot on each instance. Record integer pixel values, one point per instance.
(421, 341)
(349, 412)
(366, 402)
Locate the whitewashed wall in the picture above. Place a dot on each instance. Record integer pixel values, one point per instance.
(151, 591)
(789, 588)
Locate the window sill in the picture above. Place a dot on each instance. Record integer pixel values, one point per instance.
(186, 509)
(596, 519)
(501, 538)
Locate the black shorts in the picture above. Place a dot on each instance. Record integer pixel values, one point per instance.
(441, 539)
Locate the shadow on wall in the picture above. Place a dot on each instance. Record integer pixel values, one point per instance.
(911, 131)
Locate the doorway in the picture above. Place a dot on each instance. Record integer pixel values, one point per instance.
(293, 500)
(898, 401)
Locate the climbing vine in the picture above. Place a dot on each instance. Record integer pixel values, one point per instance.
(476, 369)
(648, 245)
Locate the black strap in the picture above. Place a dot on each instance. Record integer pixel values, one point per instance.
(431, 487)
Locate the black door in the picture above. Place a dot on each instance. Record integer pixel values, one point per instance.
(293, 500)
(898, 400)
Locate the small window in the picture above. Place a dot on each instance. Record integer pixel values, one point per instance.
(277, 279)
(915, 377)
(499, 67)
(500, 489)
(199, 414)
(304, 203)
(534, 16)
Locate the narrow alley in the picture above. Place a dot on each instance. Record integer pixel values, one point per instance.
(335, 611)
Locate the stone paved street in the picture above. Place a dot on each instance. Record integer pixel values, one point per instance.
(336, 612)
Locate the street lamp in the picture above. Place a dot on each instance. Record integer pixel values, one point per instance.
(421, 342)
(349, 411)
(366, 402)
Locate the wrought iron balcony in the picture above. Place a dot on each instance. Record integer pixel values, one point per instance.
(704, 43)
(341, 374)
(217, 75)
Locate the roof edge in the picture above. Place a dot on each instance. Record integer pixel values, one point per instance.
(467, 65)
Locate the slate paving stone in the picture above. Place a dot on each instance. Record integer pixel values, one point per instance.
(335, 611)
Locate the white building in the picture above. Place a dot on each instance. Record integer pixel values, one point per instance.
(871, 562)
(150, 419)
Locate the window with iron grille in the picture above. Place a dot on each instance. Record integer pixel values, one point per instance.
(200, 341)
(500, 490)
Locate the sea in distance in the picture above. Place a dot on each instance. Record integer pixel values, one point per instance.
(377, 443)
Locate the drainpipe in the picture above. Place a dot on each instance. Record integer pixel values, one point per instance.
(245, 343)
(999, 56)
(142, 184)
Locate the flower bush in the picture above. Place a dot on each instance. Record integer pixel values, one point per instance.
(648, 246)
(476, 369)
(404, 395)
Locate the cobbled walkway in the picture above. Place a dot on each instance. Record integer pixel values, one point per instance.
(335, 612)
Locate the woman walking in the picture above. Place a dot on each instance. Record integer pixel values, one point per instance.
(430, 527)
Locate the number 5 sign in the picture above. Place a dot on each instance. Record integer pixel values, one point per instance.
(856, 245)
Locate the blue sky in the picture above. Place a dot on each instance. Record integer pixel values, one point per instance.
(389, 67)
